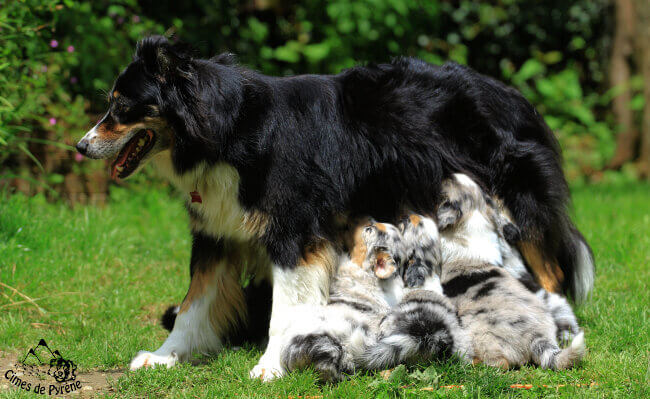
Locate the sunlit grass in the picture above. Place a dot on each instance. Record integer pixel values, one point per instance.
(100, 278)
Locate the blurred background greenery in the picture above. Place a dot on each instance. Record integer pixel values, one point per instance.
(581, 63)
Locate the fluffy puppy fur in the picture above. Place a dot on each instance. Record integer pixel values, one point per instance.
(485, 230)
(331, 338)
(508, 324)
(272, 162)
(358, 329)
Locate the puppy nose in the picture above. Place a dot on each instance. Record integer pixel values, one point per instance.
(82, 146)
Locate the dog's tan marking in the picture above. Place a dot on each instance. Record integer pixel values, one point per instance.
(201, 280)
(358, 246)
(220, 281)
(547, 272)
(112, 130)
(229, 306)
(255, 223)
(319, 254)
(415, 219)
(381, 227)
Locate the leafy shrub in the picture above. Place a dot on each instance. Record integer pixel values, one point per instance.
(58, 58)
(55, 59)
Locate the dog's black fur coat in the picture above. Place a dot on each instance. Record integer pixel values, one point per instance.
(372, 140)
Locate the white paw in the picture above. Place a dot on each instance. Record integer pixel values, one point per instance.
(149, 359)
(266, 373)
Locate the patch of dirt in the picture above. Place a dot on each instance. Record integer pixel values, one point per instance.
(91, 383)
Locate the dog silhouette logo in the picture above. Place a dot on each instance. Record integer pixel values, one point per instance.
(61, 369)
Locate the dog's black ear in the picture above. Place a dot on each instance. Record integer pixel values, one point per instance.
(449, 213)
(162, 57)
(225, 59)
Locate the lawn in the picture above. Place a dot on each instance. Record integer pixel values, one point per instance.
(100, 279)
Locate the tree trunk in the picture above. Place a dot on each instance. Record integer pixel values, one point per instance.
(643, 51)
(619, 76)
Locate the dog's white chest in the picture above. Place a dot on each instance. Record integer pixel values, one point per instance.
(219, 213)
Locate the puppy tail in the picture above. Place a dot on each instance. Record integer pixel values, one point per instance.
(389, 352)
(550, 357)
(169, 317)
(321, 351)
(420, 341)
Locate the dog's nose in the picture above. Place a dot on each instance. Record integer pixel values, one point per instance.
(82, 146)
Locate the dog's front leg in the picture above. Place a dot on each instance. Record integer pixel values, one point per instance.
(213, 305)
(306, 283)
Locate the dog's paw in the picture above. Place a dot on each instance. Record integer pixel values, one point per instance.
(148, 359)
(266, 373)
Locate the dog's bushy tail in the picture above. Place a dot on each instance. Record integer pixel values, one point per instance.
(169, 317)
(577, 261)
(549, 356)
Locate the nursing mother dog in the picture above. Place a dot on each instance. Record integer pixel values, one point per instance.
(273, 167)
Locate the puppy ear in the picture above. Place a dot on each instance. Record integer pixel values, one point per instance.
(449, 213)
(511, 233)
(161, 57)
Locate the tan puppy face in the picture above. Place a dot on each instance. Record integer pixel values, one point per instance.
(385, 249)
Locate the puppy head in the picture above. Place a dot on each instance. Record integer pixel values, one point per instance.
(385, 249)
(156, 104)
(461, 196)
(421, 242)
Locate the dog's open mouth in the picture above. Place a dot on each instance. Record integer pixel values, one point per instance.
(132, 153)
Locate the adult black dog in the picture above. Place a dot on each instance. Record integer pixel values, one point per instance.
(271, 165)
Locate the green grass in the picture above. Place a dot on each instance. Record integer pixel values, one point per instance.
(104, 276)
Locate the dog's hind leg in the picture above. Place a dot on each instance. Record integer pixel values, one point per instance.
(306, 283)
(215, 303)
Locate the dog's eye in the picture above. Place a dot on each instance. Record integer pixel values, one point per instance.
(152, 110)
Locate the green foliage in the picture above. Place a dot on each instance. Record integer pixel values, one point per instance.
(570, 112)
(553, 51)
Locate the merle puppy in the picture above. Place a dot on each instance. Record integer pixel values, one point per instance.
(270, 165)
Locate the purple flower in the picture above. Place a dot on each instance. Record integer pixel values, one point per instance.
(74, 80)
(54, 43)
(52, 121)
(78, 157)
(44, 68)
(70, 49)
(120, 20)
(135, 18)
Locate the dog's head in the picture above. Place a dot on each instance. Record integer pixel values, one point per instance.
(156, 104)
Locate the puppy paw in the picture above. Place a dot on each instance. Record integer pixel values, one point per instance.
(148, 359)
(266, 373)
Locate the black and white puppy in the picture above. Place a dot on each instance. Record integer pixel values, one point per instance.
(269, 164)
